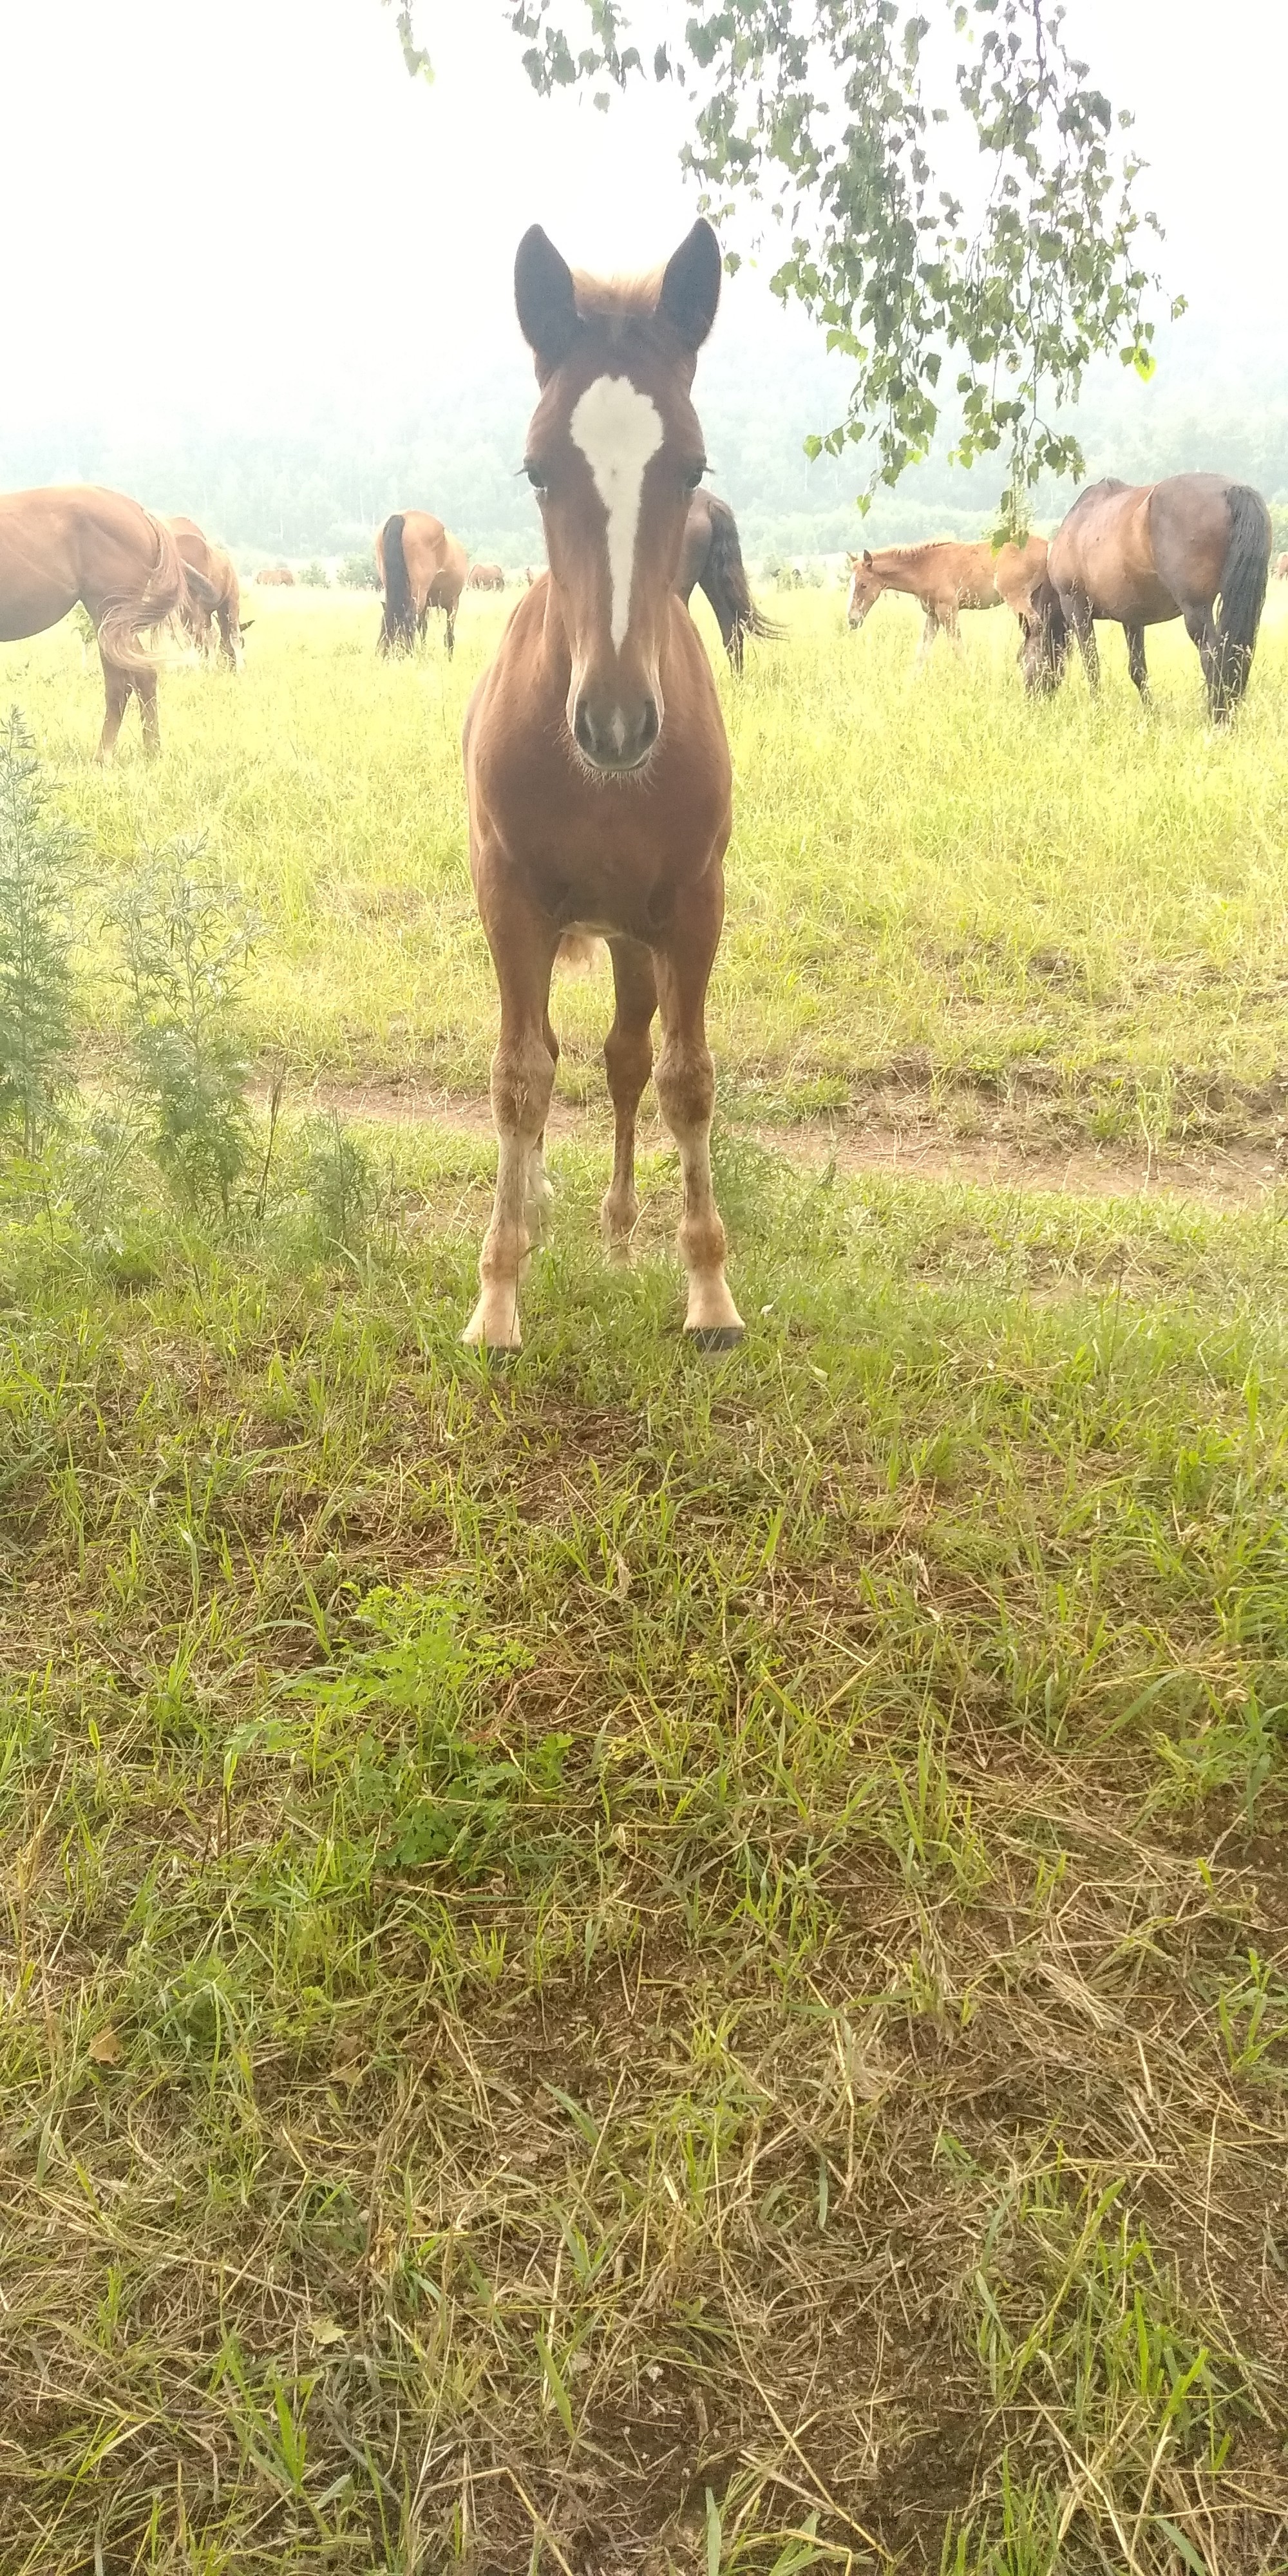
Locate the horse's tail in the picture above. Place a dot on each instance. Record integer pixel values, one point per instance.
(124, 619)
(399, 629)
(1243, 593)
(1046, 644)
(724, 579)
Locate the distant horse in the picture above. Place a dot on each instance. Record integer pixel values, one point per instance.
(217, 570)
(421, 567)
(711, 561)
(485, 577)
(1143, 553)
(945, 577)
(275, 577)
(63, 545)
(596, 763)
(1281, 567)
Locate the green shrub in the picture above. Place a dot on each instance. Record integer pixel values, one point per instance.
(37, 853)
(358, 571)
(315, 577)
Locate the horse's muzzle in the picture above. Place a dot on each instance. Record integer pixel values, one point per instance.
(615, 737)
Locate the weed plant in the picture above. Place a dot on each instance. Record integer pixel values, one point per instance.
(39, 855)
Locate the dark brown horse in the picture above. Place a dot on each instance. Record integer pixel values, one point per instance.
(218, 573)
(711, 561)
(420, 567)
(1144, 553)
(58, 546)
(596, 763)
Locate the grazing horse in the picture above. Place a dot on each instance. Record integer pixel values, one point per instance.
(946, 577)
(1143, 553)
(195, 615)
(421, 567)
(80, 543)
(275, 577)
(596, 763)
(485, 577)
(711, 561)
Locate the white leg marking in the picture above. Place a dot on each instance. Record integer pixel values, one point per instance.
(618, 429)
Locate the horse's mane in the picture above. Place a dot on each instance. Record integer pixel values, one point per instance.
(621, 303)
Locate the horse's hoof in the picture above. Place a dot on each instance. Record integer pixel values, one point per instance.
(714, 1337)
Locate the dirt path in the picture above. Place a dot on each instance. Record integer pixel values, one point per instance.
(1237, 1175)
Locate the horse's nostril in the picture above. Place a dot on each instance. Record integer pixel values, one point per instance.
(583, 728)
(648, 724)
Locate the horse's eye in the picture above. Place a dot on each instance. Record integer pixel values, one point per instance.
(694, 477)
(536, 475)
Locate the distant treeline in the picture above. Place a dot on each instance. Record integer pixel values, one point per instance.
(320, 489)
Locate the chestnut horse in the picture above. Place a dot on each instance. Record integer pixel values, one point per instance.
(596, 763)
(275, 577)
(420, 567)
(485, 577)
(946, 577)
(61, 545)
(196, 616)
(711, 561)
(1143, 553)
(1281, 567)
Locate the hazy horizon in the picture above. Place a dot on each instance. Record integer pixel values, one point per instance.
(303, 244)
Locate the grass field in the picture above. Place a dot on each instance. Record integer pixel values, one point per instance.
(934, 885)
(638, 1963)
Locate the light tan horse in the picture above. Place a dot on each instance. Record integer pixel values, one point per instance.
(596, 763)
(1281, 567)
(420, 567)
(61, 545)
(945, 577)
(217, 570)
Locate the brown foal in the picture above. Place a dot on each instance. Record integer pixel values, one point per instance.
(596, 762)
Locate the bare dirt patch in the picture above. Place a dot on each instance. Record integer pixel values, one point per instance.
(921, 1146)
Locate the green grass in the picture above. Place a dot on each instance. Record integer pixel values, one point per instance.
(632, 1963)
(932, 882)
(637, 1962)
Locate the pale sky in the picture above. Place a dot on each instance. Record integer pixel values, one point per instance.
(243, 210)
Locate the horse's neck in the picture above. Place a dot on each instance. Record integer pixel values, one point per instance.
(900, 571)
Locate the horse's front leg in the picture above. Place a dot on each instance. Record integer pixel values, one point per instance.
(1137, 671)
(1084, 627)
(523, 945)
(116, 691)
(685, 1078)
(628, 1058)
(928, 633)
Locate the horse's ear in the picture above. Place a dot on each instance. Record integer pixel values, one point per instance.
(867, 560)
(545, 297)
(691, 286)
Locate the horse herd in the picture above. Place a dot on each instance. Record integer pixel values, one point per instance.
(597, 767)
(1136, 554)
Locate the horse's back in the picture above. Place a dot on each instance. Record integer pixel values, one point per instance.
(64, 542)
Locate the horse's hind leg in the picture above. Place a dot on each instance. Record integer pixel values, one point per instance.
(928, 633)
(451, 632)
(628, 1056)
(685, 1078)
(523, 951)
(1136, 661)
(1200, 626)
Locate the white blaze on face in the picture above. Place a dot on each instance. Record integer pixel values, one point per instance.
(618, 429)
